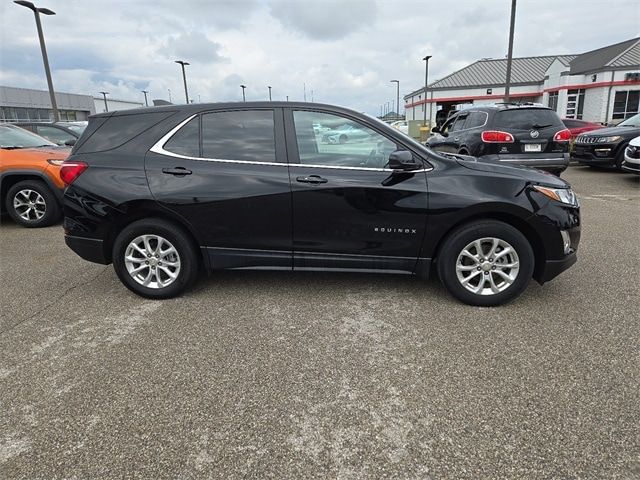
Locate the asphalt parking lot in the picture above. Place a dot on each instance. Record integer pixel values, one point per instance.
(291, 375)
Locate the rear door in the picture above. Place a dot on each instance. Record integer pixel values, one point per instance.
(349, 210)
(225, 172)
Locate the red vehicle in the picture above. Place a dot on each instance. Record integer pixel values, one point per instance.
(576, 127)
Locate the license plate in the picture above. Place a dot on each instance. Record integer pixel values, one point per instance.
(532, 147)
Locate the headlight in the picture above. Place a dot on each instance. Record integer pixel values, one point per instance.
(612, 139)
(562, 195)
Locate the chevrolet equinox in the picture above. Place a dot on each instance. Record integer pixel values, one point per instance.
(165, 192)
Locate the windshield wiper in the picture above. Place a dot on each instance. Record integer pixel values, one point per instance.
(10, 147)
(535, 125)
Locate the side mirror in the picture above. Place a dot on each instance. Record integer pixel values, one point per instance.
(71, 142)
(402, 160)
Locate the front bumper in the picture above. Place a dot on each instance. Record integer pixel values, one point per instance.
(91, 249)
(595, 154)
(554, 163)
(630, 167)
(552, 268)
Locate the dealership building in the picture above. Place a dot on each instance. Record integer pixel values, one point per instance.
(24, 105)
(602, 85)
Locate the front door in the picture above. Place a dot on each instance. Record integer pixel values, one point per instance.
(349, 209)
(226, 174)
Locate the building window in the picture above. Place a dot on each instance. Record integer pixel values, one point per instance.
(575, 103)
(625, 104)
(553, 101)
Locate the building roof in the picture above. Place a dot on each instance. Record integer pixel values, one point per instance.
(492, 72)
(621, 54)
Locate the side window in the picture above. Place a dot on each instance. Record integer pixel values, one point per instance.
(475, 119)
(447, 127)
(459, 123)
(240, 135)
(54, 134)
(331, 140)
(186, 141)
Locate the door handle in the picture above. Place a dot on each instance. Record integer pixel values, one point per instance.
(312, 179)
(456, 139)
(177, 171)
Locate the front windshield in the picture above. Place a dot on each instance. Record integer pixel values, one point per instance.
(16, 137)
(631, 122)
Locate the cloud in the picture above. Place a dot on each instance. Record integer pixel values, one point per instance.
(192, 47)
(325, 19)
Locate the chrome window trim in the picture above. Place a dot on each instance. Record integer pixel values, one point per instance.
(158, 148)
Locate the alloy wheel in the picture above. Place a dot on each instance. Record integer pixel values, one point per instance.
(29, 205)
(152, 261)
(487, 266)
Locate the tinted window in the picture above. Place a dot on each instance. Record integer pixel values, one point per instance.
(243, 135)
(526, 118)
(186, 141)
(459, 124)
(331, 140)
(475, 119)
(119, 129)
(54, 134)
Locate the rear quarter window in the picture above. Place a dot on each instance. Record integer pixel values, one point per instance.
(119, 129)
(526, 119)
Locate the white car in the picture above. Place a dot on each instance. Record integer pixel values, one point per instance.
(401, 125)
(632, 157)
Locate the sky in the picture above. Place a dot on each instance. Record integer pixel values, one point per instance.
(344, 51)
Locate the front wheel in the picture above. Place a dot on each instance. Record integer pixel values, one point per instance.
(486, 263)
(155, 258)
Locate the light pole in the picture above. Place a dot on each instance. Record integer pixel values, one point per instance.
(104, 97)
(184, 79)
(169, 90)
(426, 82)
(244, 99)
(269, 93)
(36, 12)
(145, 97)
(512, 25)
(397, 82)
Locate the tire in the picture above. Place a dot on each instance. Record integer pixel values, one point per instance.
(32, 204)
(342, 139)
(620, 158)
(183, 264)
(454, 266)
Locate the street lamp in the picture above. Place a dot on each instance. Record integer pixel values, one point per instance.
(397, 82)
(512, 25)
(104, 96)
(145, 97)
(244, 99)
(269, 93)
(184, 79)
(426, 82)
(36, 12)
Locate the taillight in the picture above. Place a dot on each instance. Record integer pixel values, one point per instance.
(496, 136)
(562, 136)
(72, 170)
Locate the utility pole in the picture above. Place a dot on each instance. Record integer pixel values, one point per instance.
(36, 12)
(426, 83)
(169, 90)
(104, 96)
(244, 99)
(304, 86)
(510, 53)
(146, 103)
(269, 93)
(184, 79)
(397, 82)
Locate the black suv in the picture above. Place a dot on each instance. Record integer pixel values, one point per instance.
(518, 134)
(165, 192)
(605, 147)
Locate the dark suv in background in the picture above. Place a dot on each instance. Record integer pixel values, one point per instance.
(517, 134)
(605, 147)
(165, 192)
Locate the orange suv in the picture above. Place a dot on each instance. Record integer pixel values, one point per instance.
(30, 184)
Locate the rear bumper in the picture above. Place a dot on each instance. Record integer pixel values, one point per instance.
(91, 249)
(552, 163)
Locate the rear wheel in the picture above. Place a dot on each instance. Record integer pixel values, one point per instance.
(155, 258)
(32, 204)
(486, 263)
